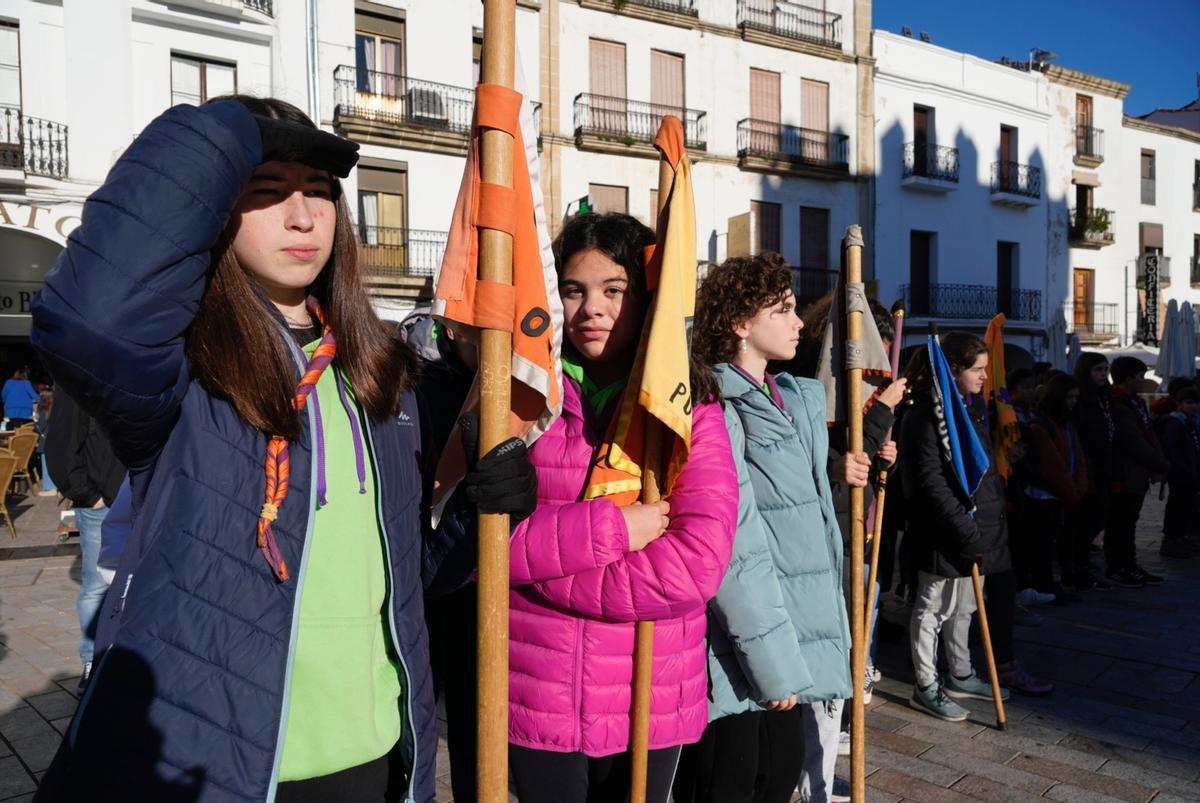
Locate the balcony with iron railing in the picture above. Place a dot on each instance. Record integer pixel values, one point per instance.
(783, 23)
(975, 302)
(395, 109)
(30, 144)
(1015, 184)
(811, 284)
(1091, 227)
(681, 13)
(1089, 146)
(928, 166)
(619, 125)
(401, 262)
(1093, 322)
(771, 147)
(262, 6)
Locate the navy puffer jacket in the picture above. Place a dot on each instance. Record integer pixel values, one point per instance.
(189, 701)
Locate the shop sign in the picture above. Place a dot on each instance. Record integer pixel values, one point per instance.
(54, 222)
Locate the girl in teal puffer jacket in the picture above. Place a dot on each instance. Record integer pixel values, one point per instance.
(779, 639)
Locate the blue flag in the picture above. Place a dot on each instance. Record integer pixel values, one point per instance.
(960, 443)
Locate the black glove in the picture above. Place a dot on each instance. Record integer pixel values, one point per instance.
(503, 480)
(285, 141)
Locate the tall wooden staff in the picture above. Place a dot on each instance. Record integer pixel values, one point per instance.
(977, 583)
(495, 368)
(881, 483)
(643, 645)
(852, 259)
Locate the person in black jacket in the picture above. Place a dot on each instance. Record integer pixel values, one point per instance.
(952, 531)
(1139, 462)
(1097, 435)
(87, 473)
(1180, 438)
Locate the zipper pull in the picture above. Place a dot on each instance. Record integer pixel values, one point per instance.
(124, 593)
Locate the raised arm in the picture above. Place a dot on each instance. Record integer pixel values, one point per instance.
(109, 323)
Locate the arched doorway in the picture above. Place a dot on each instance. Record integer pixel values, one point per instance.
(25, 257)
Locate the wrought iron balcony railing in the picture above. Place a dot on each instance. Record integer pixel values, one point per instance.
(971, 302)
(1092, 225)
(678, 6)
(793, 20)
(810, 284)
(631, 121)
(928, 160)
(400, 100)
(793, 144)
(1017, 179)
(37, 146)
(1089, 142)
(390, 252)
(264, 6)
(1093, 319)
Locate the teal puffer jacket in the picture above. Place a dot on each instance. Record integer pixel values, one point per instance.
(778, 625)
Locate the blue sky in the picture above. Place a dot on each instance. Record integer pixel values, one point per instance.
(1152, 44)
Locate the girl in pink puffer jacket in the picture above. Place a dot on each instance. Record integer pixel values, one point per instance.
(583, 572)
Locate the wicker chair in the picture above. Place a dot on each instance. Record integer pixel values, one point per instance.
(23, 445)
(8, 465)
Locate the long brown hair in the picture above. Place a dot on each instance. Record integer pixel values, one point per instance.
(237, 354)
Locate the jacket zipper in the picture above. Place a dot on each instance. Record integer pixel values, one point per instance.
(273, 785)
(387, 554)
(577, 684)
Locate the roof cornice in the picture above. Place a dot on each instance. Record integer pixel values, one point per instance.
(1087, 81)
(1160, 128)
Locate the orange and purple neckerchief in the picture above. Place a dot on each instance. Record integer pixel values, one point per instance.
(277, 463)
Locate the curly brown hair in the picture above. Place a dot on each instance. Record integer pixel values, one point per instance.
(733, 293)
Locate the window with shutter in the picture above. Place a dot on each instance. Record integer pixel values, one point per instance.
(765, 225)
(764, 111)
(606, 82)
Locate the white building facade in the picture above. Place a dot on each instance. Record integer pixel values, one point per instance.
(962, 200)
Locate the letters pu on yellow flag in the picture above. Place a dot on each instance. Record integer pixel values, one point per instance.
(995, 391)
(530, 307)
(659, 391)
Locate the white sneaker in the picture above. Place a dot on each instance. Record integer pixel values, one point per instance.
(874, 673)
(1031, 596)
(844, 743)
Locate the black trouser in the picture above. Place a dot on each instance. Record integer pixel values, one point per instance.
(1001, 609)
(1180, 512)
(754, 757)
(1120, 551)
(451, 622)
(1041, 530)
(545, 777)
(380, 781)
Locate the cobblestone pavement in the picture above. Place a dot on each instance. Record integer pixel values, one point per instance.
(1122, 725)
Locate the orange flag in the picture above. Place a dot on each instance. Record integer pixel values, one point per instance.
(658, 393)
(530, 307)
(995, 391)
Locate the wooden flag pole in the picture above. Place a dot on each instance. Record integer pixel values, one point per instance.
(852, 254)
(643, 645)
(977, 582)
(495, 369)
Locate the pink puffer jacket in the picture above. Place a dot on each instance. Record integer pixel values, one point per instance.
(577, 590)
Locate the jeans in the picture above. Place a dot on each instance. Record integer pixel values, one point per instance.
(47, 483)
(944, 606)
(92, 587)
(822, 728)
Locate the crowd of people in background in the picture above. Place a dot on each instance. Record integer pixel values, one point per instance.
(292, 643)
